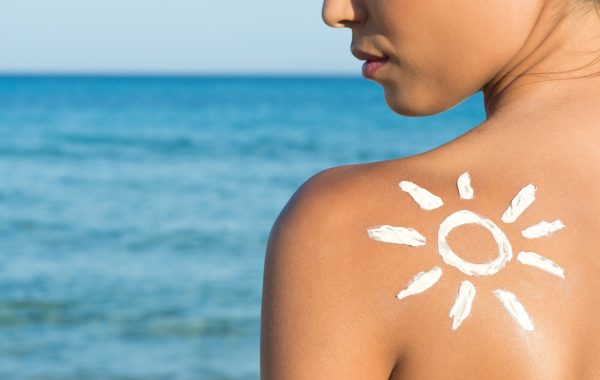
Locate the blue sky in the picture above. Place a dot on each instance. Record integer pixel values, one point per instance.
(172, 36)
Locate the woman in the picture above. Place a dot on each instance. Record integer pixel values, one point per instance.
(397, 269)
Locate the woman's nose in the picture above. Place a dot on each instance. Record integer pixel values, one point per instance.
(341, 13)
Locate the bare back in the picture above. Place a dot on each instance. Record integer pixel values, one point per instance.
(337, 288)
(359, 281)
(564, 338)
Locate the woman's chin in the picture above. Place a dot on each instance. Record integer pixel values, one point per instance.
(407, 102)
(404, 104)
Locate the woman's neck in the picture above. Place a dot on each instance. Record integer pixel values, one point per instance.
(564, 44)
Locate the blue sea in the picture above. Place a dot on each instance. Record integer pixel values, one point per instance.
(134, 211)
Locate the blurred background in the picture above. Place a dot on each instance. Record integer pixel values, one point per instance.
(146, 149)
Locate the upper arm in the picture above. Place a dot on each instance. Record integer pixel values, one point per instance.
(315, 324)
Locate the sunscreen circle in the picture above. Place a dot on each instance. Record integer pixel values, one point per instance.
(460, 218)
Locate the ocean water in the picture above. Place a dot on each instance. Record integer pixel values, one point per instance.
(134, 211)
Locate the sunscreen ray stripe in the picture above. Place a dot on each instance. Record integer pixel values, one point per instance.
(540, 262)
(543, 228)
(520, 202)
(425, 199)
(462, 305)
(397, 235)
(464, 186)
(421, 282)
(515, 308)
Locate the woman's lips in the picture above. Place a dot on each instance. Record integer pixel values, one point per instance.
(370, 67)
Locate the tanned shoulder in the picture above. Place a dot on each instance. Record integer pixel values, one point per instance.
(314, 324)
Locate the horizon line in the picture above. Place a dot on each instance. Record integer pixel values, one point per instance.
(167, 74)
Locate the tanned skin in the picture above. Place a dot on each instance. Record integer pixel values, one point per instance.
(329, 298)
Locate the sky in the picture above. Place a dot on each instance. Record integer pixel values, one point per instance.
(172, 36)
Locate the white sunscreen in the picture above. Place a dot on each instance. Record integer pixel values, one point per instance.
(463, 302)
(464, 186)
(514, 308)
(462, 305)
(465, 217)
(396, 235)
(423, 197)
(540, 262)
(421, 282)
(543, 228)
(520, 202)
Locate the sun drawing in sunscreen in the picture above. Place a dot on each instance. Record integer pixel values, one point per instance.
(422, 281)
